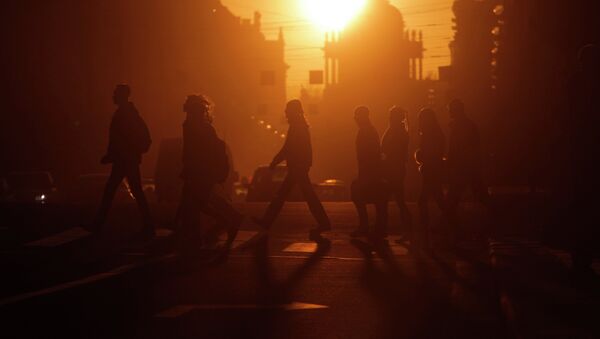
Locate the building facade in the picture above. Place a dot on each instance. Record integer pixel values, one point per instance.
(65, 57)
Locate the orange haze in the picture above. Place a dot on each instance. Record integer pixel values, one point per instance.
(304, 39)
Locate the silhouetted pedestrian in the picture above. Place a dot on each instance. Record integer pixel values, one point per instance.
(297, 152)
(369, 187)
(429, 157)
(394, 147)
(129, 138)
(464, 164)
(205, 164)
(584, 148)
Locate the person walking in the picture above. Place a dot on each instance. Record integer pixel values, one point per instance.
(464, 164)
(129, 139)
(205, 164)
(297, 152)
(429, 156)
(394, 147)
(369, 186)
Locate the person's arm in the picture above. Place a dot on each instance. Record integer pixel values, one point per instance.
(282, 154)
(110, 151)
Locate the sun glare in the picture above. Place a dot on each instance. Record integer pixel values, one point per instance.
(332, 14)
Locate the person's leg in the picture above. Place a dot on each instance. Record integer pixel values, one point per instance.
(361, 209)
(135, 185)
(227, 217)
(381, 219)
(405, 216)
(456, 189)
(314, 204)
(112, 184)
(188, 235)
(423, 203)
(277, 203)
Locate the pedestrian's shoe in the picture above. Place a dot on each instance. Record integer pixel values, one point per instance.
(360, 233)
(315, 234)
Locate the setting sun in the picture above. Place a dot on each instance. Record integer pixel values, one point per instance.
(332, 14)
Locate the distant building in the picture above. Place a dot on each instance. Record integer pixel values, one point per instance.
(375, 57)
(512, 62)
(63, 58)
(378, 62)
(471, 49)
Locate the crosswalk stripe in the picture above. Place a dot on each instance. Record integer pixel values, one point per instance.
(302, 247)
(180, 310)
(399, 250)
(61, 238)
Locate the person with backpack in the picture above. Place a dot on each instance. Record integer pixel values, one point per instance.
(129, 139)
(297, 152)
(205, 164)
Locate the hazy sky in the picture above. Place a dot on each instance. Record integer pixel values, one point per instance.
(304, 39)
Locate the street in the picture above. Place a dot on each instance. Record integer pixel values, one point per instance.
(80, 285)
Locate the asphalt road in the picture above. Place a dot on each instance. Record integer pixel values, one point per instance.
(65, 282)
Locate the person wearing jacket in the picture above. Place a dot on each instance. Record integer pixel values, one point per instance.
(129, 138)
(205, 164)
(464, 164)
(297, 153)
(394, 147)
(430, 158)
(369, 187)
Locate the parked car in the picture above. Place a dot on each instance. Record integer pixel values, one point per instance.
(266, 182)
(29, 187)
(332, 190)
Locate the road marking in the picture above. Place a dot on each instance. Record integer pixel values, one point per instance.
(179, 310)
(62, 238)
(303, 257)
(302, 247)
(399, 250)
(80, 282)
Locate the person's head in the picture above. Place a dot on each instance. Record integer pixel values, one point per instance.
(427, 120)
(398, 117)
(295, 113)
(588, 58)
(121, 94)
(361, 115)
(456, 109)
(198, 104)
